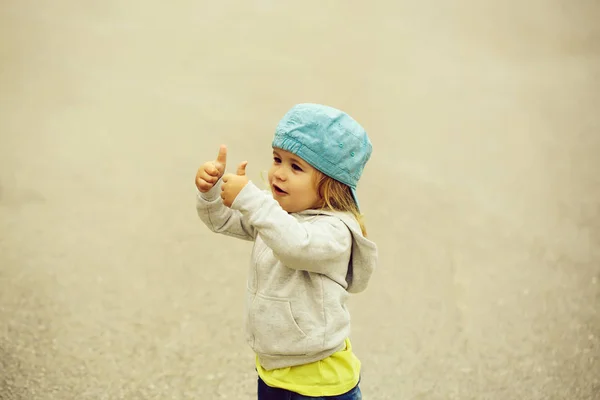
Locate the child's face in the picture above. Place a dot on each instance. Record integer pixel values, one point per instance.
(292, 181)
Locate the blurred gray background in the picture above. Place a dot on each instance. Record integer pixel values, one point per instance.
(483, 192)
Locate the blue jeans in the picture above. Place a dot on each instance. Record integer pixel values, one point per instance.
(266, 392)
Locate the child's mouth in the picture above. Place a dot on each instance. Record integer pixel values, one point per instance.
(278, 190)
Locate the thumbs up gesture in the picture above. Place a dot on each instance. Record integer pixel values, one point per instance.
(209, 173)
(233, 184)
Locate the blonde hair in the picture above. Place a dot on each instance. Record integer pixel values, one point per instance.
(337, 196)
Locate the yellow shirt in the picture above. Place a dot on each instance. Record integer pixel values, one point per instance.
(332, 376)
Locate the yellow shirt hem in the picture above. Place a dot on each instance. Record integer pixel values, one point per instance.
(332, 376)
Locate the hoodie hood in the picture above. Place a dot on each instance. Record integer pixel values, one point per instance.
(364, 252)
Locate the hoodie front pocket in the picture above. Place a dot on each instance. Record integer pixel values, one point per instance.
(276, 329)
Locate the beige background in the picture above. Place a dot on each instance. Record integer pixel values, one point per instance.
(483, 192)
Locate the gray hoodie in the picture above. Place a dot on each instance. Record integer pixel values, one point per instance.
(302, 268)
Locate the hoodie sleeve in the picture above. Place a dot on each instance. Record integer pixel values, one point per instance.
(220, 218)
(306, 246)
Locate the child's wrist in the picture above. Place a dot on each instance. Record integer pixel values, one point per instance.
(213, 193)
(241, 200)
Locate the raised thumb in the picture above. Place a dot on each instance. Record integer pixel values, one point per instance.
(241, 170)
(222, 157)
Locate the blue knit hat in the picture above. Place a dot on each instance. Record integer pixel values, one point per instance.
(326, 138)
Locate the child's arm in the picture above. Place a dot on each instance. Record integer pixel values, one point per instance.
(306, 246)
(221, 219)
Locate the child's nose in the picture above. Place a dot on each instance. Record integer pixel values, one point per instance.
(280, 174)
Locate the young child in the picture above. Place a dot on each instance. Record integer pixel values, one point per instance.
(310, 251)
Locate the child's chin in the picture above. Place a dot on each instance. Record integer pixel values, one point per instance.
(283, 205)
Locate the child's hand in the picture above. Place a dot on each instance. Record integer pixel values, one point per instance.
(210, 172)
(233, 184)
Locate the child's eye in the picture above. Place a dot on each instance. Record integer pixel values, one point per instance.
(296, 167)
(277, 160)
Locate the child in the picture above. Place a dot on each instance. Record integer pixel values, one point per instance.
(310, 251)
